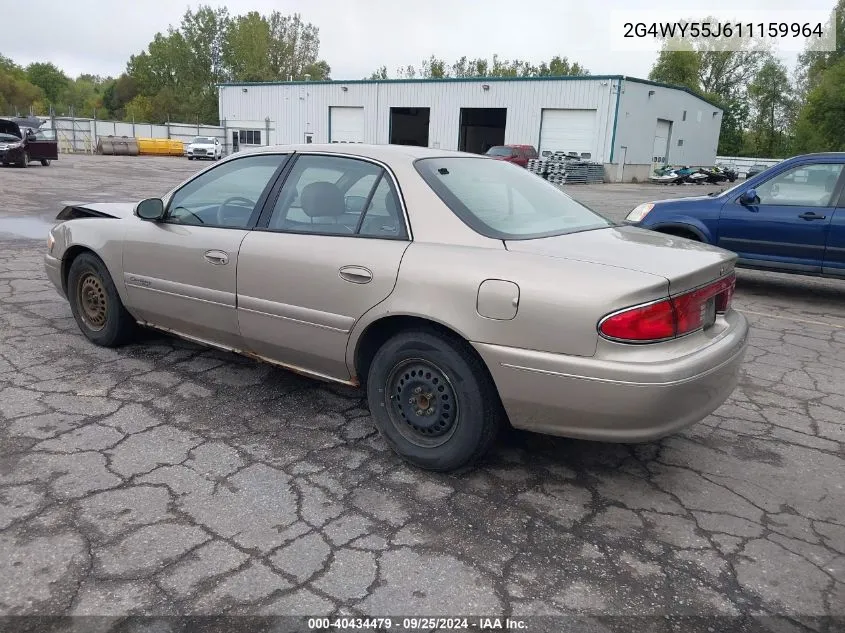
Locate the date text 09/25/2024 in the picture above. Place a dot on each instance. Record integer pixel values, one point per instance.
(417, 623)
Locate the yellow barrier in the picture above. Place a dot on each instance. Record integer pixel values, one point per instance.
(160, 147)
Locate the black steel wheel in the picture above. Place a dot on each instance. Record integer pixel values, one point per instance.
(95, 303)
(425, 409)
(433, 400)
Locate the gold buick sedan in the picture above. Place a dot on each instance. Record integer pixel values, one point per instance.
(461, 292)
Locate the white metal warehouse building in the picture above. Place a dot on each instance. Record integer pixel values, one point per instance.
(628, 124)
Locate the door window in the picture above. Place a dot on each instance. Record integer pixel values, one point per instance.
(803, 186)
(332, 195)
(225, 195)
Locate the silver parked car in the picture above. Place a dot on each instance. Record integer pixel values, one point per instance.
(461, 292)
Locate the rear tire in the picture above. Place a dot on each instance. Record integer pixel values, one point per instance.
(433, 400)
(96, 305)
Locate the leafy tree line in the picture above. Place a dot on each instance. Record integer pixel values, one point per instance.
(436, 68)
(767, 113)
(176, 76)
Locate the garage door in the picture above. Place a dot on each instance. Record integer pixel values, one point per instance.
(568, 131)
(346, 125)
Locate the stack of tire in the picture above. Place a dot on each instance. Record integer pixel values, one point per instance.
(556, 169)
(537, 166)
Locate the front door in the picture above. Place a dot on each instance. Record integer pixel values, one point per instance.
(323, 254)
(787, 226)
(42, 148)
(180, 273)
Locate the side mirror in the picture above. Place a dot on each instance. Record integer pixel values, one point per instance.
(749, 197)
(30, 136)
(150, 209)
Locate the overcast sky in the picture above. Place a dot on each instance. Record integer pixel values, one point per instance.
(358, 36)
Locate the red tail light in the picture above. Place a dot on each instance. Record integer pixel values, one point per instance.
(669, 318)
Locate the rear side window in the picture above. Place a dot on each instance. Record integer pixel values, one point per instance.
(503, 201)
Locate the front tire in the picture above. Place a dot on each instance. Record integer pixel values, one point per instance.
(96, 305)
(433, 400)
(24, 160)
(45, 162)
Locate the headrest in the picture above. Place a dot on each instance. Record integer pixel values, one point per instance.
(322, 200)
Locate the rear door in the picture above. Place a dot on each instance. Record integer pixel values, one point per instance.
(787, 227)
(325, 252)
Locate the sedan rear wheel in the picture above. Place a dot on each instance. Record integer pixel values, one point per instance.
(433, 400)
(95, 303)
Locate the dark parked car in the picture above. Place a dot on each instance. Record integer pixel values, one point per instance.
(754, 170)
(20, 145)
(517, 154)
(789, 218)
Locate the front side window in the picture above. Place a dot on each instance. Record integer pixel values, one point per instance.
(502, 201)
(334, 195)
(803, 186)
(225, 195)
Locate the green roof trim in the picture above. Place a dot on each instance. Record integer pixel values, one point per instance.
(340, 82)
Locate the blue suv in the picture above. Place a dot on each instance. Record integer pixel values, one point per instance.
(788, 218)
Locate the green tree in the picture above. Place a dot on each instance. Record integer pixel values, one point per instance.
(17, 94)
(49, 78)
(436, 68)
(819, 127)
(118, 93)
(140, 109)
(380, 73)
(773, 109)
(679, 68)
(813, 63)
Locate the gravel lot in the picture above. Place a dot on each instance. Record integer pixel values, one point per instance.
(165, 478)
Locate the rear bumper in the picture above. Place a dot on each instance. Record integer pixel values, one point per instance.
(615, 401)
(53, 267)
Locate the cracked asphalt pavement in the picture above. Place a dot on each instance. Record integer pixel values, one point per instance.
(164, 478)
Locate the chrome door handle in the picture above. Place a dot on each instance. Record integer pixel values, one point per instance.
(219, 258)
(356, 274)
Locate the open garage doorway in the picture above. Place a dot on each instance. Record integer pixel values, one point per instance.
(481, 129)
(409, 126)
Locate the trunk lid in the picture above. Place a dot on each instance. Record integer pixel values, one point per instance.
(685, 264)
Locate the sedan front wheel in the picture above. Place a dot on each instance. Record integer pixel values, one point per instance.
(95, 303)
(433, 400)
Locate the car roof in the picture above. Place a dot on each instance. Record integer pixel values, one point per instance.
(379, 152)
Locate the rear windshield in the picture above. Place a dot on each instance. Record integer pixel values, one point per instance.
(500, 150)
(504, 201)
